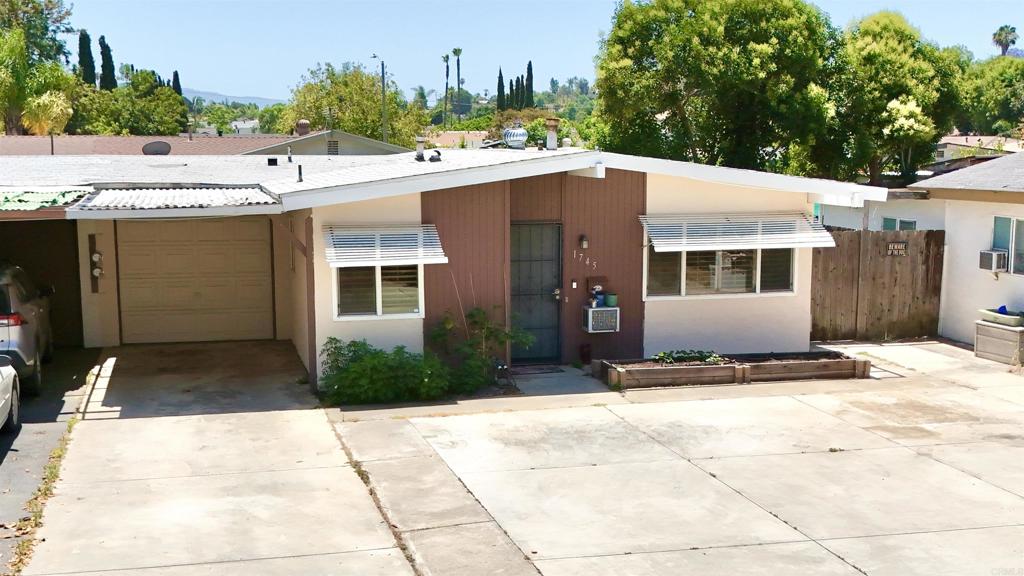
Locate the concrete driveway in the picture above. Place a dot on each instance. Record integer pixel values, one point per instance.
(912, 474)
(209, 459)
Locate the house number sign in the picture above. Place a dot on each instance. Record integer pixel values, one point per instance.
(581, 256)
(896, 249)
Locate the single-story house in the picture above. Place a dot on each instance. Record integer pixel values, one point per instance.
(382, 247)
(951, 147)
(984, 213)
(326, 142)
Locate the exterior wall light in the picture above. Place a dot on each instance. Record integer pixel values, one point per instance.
(584, 242)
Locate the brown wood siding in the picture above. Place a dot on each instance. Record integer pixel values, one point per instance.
(606, 210)
(537, 199)
(472, 222)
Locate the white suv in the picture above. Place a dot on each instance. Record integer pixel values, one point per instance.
(25, 334)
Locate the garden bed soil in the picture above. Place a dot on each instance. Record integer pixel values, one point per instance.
(738, 369)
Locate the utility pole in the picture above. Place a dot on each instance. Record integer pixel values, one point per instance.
(383, 102)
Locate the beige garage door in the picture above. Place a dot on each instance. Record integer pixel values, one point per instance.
(195, 280)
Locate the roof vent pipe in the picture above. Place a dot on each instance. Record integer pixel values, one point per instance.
(289, 154)
(300, 172)
(552, 126)
(420, 140)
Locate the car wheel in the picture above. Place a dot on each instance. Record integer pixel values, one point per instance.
(13, 421)
(34, 383)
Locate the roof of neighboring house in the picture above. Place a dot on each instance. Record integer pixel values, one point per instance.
(132, 145)
(1004, 174)
(279, 147)
(986, 142)
(328, 180)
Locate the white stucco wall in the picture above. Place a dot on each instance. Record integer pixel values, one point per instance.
(843, 217)
(929, 214)
(728, 324)
(966, 288)
(382, 333)
(100, 322)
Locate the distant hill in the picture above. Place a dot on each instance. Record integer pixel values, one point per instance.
(218, 97)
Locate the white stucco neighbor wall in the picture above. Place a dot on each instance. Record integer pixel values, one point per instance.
(382, 333)
(929, 214)
(966, 288)
(843, 217)
(728, 324)
(100, 323)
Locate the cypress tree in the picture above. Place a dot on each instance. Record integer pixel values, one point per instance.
(520, 93)
(176, 83)
(86, 63)
(501, 90)
(510, 100)
(108, 81)
(528, 100)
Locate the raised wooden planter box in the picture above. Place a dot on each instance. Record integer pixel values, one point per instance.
(622, 376)
(999, 342)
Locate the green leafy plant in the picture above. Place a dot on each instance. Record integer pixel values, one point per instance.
(474, 347)
(670, 357)
(356, 373)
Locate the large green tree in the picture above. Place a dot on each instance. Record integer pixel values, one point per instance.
(893, 68)
(40, 87)
(1004, 37)
(43, 23)
(730, 82)
(141, 106)
(86, 63)
(348, 98)
(108, 78)
(994, 96)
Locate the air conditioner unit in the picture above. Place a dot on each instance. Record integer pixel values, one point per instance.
(994, 260)
(603, 319)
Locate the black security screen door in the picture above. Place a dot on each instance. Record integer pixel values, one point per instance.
(536, 284)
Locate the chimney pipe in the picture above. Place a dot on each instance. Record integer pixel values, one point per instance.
(300, 172)
(552, 126)
(420, 140)
(289, 154)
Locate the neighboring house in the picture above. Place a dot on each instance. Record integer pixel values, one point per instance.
(333, 142)
(984, 211)
(903, 209)
(458, 138)
(953, 147)
(381, 248)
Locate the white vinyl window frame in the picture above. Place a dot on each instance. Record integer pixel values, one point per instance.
(1013, 268)
(379, 293)
(757, 293)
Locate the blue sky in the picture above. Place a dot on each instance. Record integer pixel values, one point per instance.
(262, 47)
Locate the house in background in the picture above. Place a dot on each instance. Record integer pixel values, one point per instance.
(903, 209)
(382, 247)
(984, 213)
(328, 142)
(953, 147)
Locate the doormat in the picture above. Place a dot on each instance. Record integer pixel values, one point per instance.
(528, 370)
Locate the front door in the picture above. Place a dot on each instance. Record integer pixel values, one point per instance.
(536, 254)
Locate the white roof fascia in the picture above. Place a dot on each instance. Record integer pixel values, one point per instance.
(343, 194)
(73, 213)
(820, 190)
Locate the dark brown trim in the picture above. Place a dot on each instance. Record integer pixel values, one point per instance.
(41, 214)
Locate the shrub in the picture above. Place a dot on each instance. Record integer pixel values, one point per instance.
(475, 353)
(357, 373)
(672, 356)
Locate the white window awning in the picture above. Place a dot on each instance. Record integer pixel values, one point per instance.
(691, 232)
(349, 246)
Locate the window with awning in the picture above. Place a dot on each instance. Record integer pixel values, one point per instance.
(711, 232)
(353, 246)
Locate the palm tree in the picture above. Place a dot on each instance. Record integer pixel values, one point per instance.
(47, 114)
(457, 105)
(420, 95)
(1005, 37)
(444, 112)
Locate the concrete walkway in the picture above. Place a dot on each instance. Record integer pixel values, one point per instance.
(209, 459)
(916, 473)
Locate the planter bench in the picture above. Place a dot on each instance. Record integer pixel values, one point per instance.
(743, 369)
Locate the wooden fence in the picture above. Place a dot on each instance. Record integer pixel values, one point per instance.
(877, 285)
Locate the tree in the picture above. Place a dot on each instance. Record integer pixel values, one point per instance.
(501, 91)
(731, 82)
(528, 85)
(221, 117)
(141, 106)
(457, 108)
(1004, 37)
(420, 97)
(176, 83)
(269, 118)
(994, 96)
(25, 85)
(444, 114)
(86, 63)
(889, 62)
(510, 100)
(348, 98)
(554, 86)
(519, 93)
(107, 79)
(906, 127)
(43, 22)
(47, 114)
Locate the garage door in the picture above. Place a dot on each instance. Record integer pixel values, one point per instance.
(195, 280)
